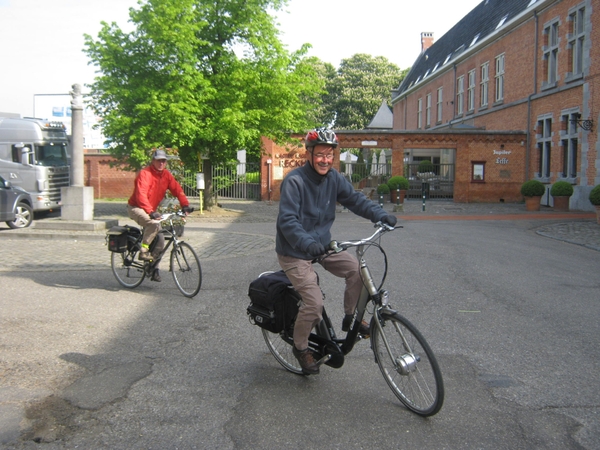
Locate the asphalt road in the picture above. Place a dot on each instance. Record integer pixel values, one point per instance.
(511, 315)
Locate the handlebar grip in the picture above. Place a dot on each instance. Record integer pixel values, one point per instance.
(334, 247)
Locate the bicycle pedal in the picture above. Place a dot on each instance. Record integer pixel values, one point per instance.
(323, 360)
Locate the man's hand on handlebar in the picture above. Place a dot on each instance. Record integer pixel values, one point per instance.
(315, 249)
(155, 215)
(390, 220)
(187, 210)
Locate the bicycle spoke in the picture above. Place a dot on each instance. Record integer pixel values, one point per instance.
(408, 365)
(186, 269)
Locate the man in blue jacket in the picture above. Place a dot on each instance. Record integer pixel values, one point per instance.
(306, 213)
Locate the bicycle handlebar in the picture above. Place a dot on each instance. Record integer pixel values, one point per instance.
(171, 215)
(382, 228)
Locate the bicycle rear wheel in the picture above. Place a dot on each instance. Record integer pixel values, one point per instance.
(127, 272)
(186, 270)
(282, 351)
(407, 364)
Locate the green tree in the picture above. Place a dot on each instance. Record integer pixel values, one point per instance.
(207, 78)
(320, 111)
(356, 92)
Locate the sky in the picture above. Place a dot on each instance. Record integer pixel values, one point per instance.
(41, 41)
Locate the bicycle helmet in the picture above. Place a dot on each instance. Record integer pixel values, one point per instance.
(320, 136)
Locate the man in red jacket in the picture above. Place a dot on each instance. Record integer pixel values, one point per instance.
(151, 185)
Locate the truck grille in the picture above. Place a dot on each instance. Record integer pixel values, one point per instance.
(57, 178)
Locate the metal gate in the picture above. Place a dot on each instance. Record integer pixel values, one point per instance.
(241, 181)
(436, 183)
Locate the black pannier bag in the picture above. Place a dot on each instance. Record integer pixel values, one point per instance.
(116, 239)
(273, 302)
(121, 238)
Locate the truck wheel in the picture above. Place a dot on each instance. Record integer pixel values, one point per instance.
(24, 217)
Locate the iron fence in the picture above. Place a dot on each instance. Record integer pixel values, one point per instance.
(436, 183)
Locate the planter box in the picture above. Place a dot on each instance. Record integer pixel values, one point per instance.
(561, 203)
(533, 203)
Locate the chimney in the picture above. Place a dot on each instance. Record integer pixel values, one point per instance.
(426, 40)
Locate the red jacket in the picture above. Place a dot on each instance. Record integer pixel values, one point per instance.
(151, 187)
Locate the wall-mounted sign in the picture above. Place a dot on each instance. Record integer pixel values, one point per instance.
(368, 143)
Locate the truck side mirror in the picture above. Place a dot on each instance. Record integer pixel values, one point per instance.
(25, 152)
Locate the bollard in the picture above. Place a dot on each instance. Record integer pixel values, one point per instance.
(398, 197)
(423, 193)
(381, 200)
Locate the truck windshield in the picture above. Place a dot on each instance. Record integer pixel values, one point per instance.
(51, 154)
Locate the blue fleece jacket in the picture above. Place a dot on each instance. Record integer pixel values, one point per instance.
(307, 209)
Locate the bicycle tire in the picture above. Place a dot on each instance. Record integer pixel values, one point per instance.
(413, 375)
(128, 273)
(186, 269)
(282, 351)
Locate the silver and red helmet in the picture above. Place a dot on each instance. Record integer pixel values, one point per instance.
(320, 136)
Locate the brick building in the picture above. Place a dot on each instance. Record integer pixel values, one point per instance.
(525, 67)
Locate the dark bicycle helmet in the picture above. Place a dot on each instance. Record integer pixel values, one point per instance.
(320, 136)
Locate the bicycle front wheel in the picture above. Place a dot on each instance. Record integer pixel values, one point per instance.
(407, 364)
(128, 273)
(186, 270)
(282, 351)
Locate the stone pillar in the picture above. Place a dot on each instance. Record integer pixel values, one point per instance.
(77, 199)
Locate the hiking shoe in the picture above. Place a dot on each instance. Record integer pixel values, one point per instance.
(363, 329)
(145, 255)
(155, 276)
(306, 360)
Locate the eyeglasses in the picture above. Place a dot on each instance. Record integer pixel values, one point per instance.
(161, 161)
(321, 156)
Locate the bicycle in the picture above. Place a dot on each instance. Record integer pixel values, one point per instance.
(184, 264)
(405, 359)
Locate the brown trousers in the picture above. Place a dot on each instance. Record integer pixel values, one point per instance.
(151, 227)
(304, 279)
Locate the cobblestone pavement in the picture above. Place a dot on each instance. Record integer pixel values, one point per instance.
(87, 250)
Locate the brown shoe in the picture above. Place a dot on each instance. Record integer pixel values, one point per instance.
(364, 329)
(145, 255)
(306, 360)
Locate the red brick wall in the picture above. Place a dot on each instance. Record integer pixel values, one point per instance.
(108, 179)
(503, 154)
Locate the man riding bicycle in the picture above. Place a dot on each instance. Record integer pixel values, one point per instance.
(306, 213)
(151, 185)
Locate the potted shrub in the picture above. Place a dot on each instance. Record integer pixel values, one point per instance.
(595, 200)
(532, 190)
(383, 189)
(561, 192)
(396, 183)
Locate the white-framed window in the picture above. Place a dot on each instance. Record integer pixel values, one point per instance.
(428, 110)
(440, 104)
(577, 40)
(471, 91)
(544, 145)
(460, 94)
(420, 113)
(550, 53)
(499, 96)
(569, 143)
(485, 79)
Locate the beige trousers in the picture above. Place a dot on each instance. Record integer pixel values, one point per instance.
(151, 227)
(304, 279)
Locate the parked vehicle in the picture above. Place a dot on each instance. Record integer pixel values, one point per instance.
(34, 156)
(15, 205)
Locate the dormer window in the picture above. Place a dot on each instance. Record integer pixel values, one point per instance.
(474, 40)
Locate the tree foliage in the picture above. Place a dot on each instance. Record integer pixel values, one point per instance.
(205, 77)
(360, 84)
